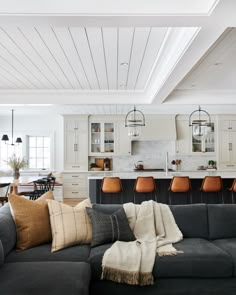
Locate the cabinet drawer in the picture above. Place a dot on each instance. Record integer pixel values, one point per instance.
(75, 177)
(75, 194)
(72, 185)
(227, 166)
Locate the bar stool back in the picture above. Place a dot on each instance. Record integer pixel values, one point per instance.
(111, 185)
(145, 185)
(180, 184)
(212, 184)
(232, 189)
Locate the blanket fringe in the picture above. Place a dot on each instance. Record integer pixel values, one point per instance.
(146, 279)
(120, 276)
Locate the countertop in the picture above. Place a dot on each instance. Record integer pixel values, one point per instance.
(162, 175)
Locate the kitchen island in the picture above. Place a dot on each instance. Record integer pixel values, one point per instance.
(162, 180)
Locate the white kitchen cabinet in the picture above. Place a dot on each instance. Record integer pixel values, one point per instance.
(227, 125)
(75, 185)
(189, 143)
(183, 135)
(102, 139)
(76, 142)
(227, 150)
(123, 142)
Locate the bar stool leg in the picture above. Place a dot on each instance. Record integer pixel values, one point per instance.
(134, 198)
(191, 197)
(232, 196)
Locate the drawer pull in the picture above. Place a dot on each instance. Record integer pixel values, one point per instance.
(75, 192)
(75, 184)
(76, 166)
(75, 176)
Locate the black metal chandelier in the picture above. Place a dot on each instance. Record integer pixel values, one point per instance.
(134, 120)
(5, 136)
(199, 124)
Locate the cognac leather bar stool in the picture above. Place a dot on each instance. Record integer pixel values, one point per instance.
(180, 184)
(145, 185)
(212, 184)
(111, 185)
(232, 189)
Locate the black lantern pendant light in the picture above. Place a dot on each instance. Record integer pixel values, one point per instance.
(5, 136)
(199, 124)
(134, 120)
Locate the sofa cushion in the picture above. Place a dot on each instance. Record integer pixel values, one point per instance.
(108, 228)
(70, 225)
(191, 220)
(32, 220)
(43, 253)
(95, 259)
(200, 259)
(229, 246)
(1, 254)
(46, 278)
(7, 229)
(222, 221)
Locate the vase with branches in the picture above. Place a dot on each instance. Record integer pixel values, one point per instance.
(16, 163)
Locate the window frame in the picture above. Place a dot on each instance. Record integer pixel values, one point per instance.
(26, 152)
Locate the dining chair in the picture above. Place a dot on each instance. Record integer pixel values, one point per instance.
(4, 188)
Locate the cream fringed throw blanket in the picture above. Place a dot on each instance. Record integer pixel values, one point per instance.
(155, 230)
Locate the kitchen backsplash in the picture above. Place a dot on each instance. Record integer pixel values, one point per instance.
(153, 155)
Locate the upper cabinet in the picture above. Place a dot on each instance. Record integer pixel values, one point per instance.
(227, 142)
(191, 140)
(76, 142)
(102, 137)
(108, 136)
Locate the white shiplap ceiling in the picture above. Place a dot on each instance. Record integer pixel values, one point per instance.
(115, 52)
(78, 58)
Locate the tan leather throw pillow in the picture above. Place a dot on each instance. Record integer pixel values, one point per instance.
(32, 220)
(69, 225)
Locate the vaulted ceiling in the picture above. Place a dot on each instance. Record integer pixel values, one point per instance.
(162, 54)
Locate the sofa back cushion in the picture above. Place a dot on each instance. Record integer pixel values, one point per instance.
(191, 220)
(222, 221)
(7, 229)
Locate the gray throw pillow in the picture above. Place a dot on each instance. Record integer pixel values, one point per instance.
(109, 228)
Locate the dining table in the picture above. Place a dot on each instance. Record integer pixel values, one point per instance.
(24, 180)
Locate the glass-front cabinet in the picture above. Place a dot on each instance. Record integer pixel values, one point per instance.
(102, 138)
(203, 139)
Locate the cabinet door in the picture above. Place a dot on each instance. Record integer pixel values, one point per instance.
(123, 142)
(183, 135)
(70, 146)
(82, 150)
(76, 150)
(102, 139)
(224, 147)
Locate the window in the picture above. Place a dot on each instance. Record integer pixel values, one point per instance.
(39, 152)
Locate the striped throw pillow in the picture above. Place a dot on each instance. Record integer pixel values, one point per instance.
(69, 225)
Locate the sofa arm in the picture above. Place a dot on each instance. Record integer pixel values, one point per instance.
(1, 254)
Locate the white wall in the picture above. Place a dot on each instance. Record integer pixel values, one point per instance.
(36, 125)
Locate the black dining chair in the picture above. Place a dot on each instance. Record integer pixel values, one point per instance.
(4, 188)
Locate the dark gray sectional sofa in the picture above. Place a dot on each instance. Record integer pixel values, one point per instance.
(207, 266)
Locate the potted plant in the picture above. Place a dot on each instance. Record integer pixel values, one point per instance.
(16, 163)
(95, 167)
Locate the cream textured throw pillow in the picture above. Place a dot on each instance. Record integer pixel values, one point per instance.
(32, 220)
(69, 225)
